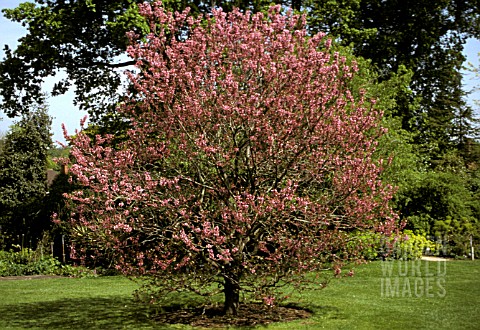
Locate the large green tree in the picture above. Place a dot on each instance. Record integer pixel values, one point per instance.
(82, 38)
(85, 38)
(23, 169)
(426, 37)
(434, 131)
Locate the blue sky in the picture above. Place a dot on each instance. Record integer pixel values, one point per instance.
(62, 110)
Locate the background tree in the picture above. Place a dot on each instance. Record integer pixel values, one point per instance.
(249, 160)
(84, 39)
(23, 170)
(426, 37)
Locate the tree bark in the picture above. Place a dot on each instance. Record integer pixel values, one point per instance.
(232, 294)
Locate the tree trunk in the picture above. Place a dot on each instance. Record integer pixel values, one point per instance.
(232, 294)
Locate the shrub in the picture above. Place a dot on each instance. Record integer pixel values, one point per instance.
(368, 244)
(456, 234)
(26, 262)
(29, 262)
(412, 246)
(406, 246)
(76, 271)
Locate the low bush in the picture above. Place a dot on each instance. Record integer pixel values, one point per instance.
(412, 246)
(406, 246)
(77, 271)
(26, 262)
(29, 262)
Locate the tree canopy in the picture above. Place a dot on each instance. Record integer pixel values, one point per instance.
(82, 38)
(86, 38)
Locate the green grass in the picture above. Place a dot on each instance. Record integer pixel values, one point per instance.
(70, 303)
(364, 301)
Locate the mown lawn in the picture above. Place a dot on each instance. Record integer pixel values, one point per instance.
(406, 296)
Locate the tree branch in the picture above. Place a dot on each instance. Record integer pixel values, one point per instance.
(115, 65)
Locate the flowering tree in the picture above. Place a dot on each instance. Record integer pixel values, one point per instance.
(248, 162)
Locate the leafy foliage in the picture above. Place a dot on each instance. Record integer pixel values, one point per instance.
(26, 262)
(419, 72)
(82, 38)
(405, 246)
(390, 33)
(436, 196)
(393, 34)
(23, 175)
(457, 233)
(30, 262)
(86, 40)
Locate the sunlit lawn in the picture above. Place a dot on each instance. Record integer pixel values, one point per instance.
(444, 296)
(434, 298)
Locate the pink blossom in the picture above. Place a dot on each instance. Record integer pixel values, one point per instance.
(248, 156)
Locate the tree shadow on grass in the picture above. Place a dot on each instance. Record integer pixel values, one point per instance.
(83, 313)
(123, 313)
(249, 315)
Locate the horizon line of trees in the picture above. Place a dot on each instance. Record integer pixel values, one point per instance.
(412, 52)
